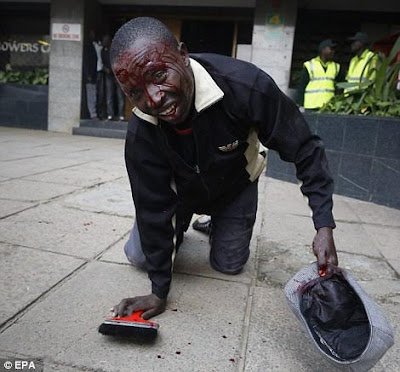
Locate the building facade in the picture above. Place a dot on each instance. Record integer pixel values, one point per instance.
(276, 35)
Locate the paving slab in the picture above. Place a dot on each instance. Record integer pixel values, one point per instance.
(87, 174)
(342, 211)
(8, 207)
(276, 199)
(112, 197)
(396, 266)
(383, 291)
(366, 268)
(52, 367)
(22, 152)
(29, 166)
(375, 214)
(353, 238)
(26, 190)
(90, 150)
(278, 263)
(116, 253)
(57, 228)
(387, 240)
(103, 153)
(391, 360)
(27, 273)
(276, 340)
(288, 228)
(192, 325)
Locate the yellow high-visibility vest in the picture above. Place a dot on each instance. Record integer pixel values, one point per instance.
(321, 87)
(361, 69)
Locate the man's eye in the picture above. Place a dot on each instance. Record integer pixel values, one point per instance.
(159, 76)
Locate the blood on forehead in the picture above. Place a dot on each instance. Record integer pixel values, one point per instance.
(132, 65)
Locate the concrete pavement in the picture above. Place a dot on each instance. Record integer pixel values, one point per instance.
(65, 212)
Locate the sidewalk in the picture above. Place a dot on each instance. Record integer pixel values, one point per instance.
(65, 212)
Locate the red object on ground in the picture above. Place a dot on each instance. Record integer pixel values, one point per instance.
(137, 318)
(131, 326)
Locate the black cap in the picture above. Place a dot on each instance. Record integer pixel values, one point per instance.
(326, 43)
(360, 36)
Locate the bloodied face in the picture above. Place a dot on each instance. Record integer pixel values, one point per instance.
(157, 78)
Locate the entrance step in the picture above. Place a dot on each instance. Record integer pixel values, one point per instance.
(101, 128)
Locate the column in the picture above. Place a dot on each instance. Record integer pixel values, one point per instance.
(65, 67)
(273, 35)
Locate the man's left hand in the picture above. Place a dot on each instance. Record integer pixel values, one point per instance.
(325, 251)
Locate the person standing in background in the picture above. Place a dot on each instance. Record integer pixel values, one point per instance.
(318, 77)
(90, 74)
(363, 64)
(100, 78)
(112, 88)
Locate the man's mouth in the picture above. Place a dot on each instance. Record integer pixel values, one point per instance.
(168, 111)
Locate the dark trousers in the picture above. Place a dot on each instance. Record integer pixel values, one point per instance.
(113, 92)
(231, 232)
(100, 93)
(232, 229)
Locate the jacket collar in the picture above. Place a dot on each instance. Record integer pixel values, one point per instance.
(206, 92)
(364, 54)
(318, 58)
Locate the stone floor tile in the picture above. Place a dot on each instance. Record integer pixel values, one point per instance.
(112, 197)
(56, 228)
(87, 174)
(276, 340)
(26, 190)
(8, 207)
(27, 273)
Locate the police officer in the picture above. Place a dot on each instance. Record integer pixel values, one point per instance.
(317, 80)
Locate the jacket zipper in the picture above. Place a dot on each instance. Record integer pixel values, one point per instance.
(196, 167)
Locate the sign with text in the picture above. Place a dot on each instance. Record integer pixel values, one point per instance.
(66, 31)
(27, 51)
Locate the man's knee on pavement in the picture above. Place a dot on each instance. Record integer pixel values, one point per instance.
(230, 268)
(134, 257)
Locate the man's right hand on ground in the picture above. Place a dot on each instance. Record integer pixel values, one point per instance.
(151, 305)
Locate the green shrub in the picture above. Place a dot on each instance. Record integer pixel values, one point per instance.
(36, 76)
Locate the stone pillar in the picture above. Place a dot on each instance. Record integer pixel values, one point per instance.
(273, 35)
(65, 69)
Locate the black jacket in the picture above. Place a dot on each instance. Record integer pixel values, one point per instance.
(105, 57)
(235, 102)
(89, 63)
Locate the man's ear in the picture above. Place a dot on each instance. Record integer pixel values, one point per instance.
(183, 51)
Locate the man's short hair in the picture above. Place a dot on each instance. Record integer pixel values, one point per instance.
(136, 28)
